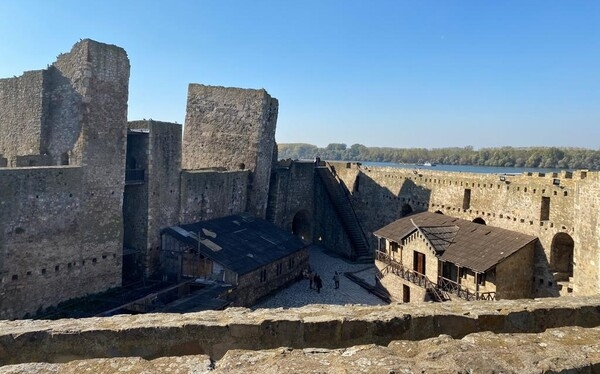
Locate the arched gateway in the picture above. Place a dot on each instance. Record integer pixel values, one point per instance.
(301, 225)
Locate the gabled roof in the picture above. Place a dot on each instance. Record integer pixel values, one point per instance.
(241, 243)
(461, 242)
(440, 237)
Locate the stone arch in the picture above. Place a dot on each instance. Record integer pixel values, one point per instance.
(480, 221)
(301, 225)
(561, 254)
(406, 210)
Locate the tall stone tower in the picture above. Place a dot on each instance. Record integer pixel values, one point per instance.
(232, 128)
(63, 134)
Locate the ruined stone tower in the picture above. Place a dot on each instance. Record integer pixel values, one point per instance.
(232, 128)
(63, 141)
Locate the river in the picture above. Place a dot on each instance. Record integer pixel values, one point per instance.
(463, 168)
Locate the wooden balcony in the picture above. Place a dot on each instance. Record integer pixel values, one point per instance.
(443, 290)
(463, 292)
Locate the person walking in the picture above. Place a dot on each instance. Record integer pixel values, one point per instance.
(318, 282)
(336, 280)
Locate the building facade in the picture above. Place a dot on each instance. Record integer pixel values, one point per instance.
(252, 255)
(429, 256)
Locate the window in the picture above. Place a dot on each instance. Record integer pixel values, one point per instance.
(263, 275)
(291, 264)
(279, 268)
(480, 277)
(545, 209)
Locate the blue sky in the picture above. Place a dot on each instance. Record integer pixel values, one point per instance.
(380, 73)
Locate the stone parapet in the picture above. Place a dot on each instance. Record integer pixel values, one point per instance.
(566, 349)
(214, 333)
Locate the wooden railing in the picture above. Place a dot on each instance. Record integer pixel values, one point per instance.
(439, 291)
(463, 292)
(409, 275)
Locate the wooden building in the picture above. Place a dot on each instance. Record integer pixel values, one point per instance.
(431, 256)
(252, 255)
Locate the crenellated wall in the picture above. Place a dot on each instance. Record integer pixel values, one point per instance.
(513, 202)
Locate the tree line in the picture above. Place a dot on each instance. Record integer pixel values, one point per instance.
(531, 157)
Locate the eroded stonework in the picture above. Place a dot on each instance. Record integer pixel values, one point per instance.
(510, 336)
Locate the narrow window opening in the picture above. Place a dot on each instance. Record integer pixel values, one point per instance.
(545, 209)
(467, 199)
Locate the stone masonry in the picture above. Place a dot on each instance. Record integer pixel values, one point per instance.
(65, 215)
(61, 222)
(421, 334)
(235, 129)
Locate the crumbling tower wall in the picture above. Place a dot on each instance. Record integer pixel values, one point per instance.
(21, 116)
(232, 128)
(61, 227)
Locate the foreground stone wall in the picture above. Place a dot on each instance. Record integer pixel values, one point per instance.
(215, 333)
(232, 128)
(566, 349)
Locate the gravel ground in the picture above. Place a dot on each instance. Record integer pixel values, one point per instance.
(299, 293)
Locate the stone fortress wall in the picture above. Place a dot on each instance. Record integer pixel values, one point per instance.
(82, 190)
(558, 208)
(66, 212)
(60, 211)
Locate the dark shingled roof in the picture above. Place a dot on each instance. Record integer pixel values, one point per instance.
(241, 243)
(461, 242)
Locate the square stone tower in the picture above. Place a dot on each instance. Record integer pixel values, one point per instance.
(232, 128)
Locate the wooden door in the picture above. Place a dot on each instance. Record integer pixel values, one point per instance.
(405, 294)
(419, 262)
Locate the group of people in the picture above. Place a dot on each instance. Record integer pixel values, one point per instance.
(315, 279)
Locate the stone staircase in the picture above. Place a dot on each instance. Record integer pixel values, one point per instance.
(274, 194)
(339, 198)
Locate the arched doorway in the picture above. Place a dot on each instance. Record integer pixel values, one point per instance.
(479, 220)
(301, 226)
(406, 210)
(561, 254)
